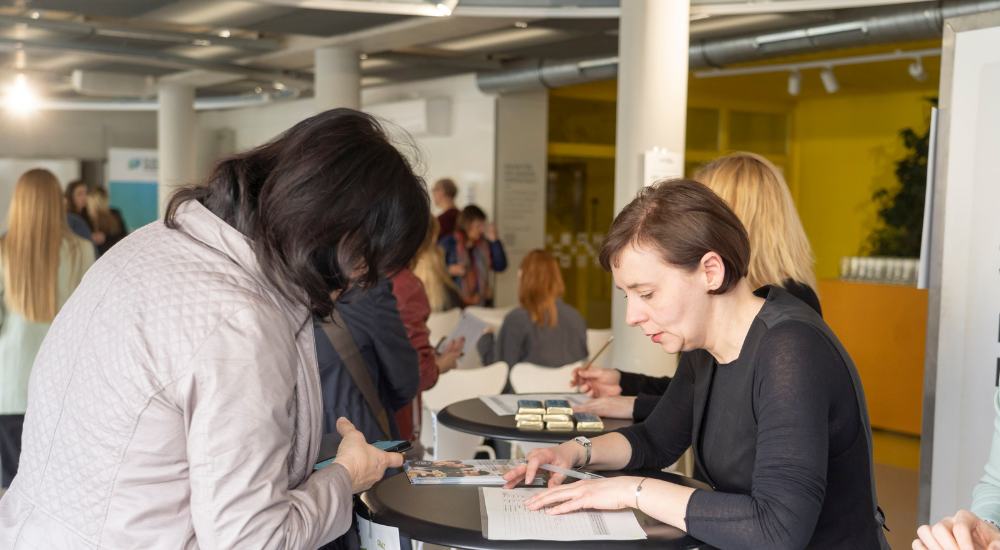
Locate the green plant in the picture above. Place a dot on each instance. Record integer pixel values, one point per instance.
(901, 209)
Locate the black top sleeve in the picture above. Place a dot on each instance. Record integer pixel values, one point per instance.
(805, 293)
(796, 368)
(634, 384)
(644, 405)
(663, 438)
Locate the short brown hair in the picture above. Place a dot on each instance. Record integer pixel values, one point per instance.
(683, 220)
(447, 186)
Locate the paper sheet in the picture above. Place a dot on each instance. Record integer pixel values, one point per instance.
(506, 404)
(375, 536)
(470, 327)
(506, 518)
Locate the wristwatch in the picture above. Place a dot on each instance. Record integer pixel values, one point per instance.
(585, 443)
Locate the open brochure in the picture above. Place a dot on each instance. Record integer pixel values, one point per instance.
(460, 472)
(506, 518)
(469, 327)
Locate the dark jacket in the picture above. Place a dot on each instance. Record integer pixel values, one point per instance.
(378, 331)
(521, 340)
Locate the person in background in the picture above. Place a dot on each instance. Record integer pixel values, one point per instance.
(414, 309)
(176, 400)
(75, 198)
(544, 330)
(780, 255)
(472, 253)
(770, 401)
(429, 267)
(42, 262)
(979, 527)
(443, 194)
(107, 223)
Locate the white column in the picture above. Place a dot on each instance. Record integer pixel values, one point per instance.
(175, 138)
(652, 108)
(338, 78)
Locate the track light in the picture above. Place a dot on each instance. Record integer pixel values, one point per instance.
(20, 99)
(916, 70)
(829, 79)
(794, 83)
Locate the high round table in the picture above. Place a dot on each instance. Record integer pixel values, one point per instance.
(449, 515)
(474, 417)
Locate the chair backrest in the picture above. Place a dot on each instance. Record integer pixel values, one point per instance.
(595, 339)
(441, 323)
(460, 384)
(530, 378)
(491, 315)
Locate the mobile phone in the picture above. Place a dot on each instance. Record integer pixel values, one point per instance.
(393, 446)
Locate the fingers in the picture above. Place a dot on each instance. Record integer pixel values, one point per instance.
(553, 496)
(942, 534)
(963, 536)
(556, 480)
(927, 538)
(514, 476)
(917, 545)
(344, 427)
(394, 460)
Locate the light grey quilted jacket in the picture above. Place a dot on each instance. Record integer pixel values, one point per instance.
(175, 403)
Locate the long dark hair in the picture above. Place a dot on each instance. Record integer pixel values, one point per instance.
(328, 204)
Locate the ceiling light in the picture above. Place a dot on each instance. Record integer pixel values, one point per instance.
(521, 24)
(916, 70)
(20, 99)
(794, 83)
(443, 9)
(829, 79)
(35, 15)
(363, 56)
(505, 38)
(201, 42)
(279, 86)
(225, 33)
(258, 90)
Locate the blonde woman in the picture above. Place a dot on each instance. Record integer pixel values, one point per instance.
(780, 255)
(42, 263)
(428, 266)
(106, 223)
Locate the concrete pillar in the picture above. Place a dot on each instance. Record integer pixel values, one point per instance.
(652, 108)
(175, 138)
(338, 78)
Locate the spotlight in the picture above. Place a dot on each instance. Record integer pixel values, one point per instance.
(829, 79)
(225, 33)
(20, 99)
(794, 83)
(521, 24)
(916, 70)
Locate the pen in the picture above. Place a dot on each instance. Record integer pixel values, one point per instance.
(570, 473)
(595, 356)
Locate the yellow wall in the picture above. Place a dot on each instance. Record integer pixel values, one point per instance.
(845, 147)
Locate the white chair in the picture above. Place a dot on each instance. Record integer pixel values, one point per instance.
(529, 378)
(441, 323)
(596, 338)
(493, 316)
(442, 442)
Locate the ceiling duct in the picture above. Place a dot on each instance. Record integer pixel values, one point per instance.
(108, 84)
(884, 25)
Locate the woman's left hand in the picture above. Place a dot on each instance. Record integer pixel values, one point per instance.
(491, 232)
(614, 493)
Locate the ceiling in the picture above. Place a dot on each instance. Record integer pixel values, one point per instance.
(230, 47)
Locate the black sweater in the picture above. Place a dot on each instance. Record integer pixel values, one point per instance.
(781, 433)
(648, 389)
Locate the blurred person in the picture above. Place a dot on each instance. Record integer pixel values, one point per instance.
(430, 269)
(544, 330)
(443, 194)
(780, 255)
(107, 223)
(75, 199)
(769, 399)
(42, 263)
(472, 253)
(176, 401)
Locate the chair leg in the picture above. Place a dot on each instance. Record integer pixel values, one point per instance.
(488, 450)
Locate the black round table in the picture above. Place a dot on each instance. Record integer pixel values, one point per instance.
(449, 515)
(474, 417)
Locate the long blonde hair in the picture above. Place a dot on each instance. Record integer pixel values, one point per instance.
(428, 266)
(99, 212)
(541, 283)
(755, 190)
(30, 249)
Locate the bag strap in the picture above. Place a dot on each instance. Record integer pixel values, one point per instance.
(348, 351)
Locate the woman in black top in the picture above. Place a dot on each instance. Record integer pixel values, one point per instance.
(771, 402)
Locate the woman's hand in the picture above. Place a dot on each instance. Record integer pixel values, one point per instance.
(98, 238)
(567, 455)
(456, 270)
(491, 232)
(364, 463)
(619, 406)
(615, 493)
(597, 382)
(447, 360)
(963, 531)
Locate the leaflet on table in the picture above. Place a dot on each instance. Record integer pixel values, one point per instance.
(506, 404)
(461, 472)
(505, 517)
(469, 327)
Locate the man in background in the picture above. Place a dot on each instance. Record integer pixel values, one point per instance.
(443, 193)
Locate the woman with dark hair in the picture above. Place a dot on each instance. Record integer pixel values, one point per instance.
(770, 400)
(183, 409)
(544, 330)
(472, 253)
(75, 197)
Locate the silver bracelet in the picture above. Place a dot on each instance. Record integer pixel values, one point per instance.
(638, 489)
(991, 522)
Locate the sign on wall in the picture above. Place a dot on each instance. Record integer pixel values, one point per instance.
(132, 185)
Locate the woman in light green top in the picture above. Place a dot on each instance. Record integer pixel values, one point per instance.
(979, 528)
(41, 262)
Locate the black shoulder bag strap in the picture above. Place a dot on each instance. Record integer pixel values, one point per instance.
(348, 351)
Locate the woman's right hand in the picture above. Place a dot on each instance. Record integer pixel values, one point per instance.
(449, 359)
(456, 270)
(364, 463)
(964, 530)
(597, 382)
(567, 455)
(619, 406)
